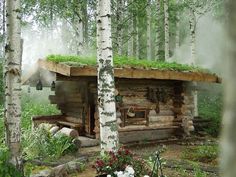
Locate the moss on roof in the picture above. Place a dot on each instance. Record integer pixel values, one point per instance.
(121, 61)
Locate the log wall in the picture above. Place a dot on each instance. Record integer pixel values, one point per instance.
(171, 107)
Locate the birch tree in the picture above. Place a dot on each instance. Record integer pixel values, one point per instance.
(131, 29)
(177, 35)
(158, 30)
(228, 156)
(3, 25)
(12, 76)
(137, 46)
(106, 88)
(149, 43)
(119, 30)
(167, 35)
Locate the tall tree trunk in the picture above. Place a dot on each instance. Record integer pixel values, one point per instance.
(177, 37)
(3, 27)
(106, 87)
(85, 22)
(137, 38)
(192, 23)
(80, 37)
(167, 35)
(228, 155)
(120, 6)
(158, 31)
(12, 73)
(131, 30)
(149, 43)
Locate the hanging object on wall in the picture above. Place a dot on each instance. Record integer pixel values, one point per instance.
(162, 95)
(152, 95)
(131, 112)
(39, 85)
(53, 86)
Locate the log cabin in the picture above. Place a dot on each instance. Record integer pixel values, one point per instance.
(151, 104)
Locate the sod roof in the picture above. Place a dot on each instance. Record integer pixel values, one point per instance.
(128, 68)
(125, 62)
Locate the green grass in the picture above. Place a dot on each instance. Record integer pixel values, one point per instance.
(125, 62)
(204, 154)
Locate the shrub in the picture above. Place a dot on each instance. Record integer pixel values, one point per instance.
(39, 143)
(6, 168)
(210, 106)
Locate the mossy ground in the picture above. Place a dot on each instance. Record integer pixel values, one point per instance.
(122, 61)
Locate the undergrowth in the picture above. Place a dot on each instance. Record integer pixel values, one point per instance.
(123, 61)
(39, 143)
(210, 106)
(204, 154)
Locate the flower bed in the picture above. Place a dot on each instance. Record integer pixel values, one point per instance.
(121, 164)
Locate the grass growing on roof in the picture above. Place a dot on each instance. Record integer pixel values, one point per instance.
(122, 61)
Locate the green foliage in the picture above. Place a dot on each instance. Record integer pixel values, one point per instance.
(41, 144)
(32, 105)
(201, 153)
(124, 62)
(210, 106)
(6, 168)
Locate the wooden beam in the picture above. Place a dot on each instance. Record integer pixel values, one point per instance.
(55, 67)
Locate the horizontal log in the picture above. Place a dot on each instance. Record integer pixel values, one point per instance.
(68, 131)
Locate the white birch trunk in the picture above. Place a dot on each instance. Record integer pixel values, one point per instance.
(167, 35)
(137, 39)
(158, 32)
(192, 23)
(131, 31)
(80, 37)
(106, 88)
(3, 29)
(12, 73)
(149, 44)
(228, 151)
(85, 24)
(177, 37)
(119, 32)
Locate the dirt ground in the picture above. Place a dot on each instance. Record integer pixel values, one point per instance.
(169, 152)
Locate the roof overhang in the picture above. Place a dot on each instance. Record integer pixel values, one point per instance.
(132, 73)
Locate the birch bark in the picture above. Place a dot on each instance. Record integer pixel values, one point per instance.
(228, 151)
(3, 26)
(192, 23)
(158, 31)
(80, 37)
(177, 37)
(12, 76)
(120, 6)
(148, 11)
(131, 30)
(106, 88)
(167, 35)
(137, 38)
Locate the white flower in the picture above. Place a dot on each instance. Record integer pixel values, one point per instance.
(129, 170)
(108, 175)
(146, 176)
